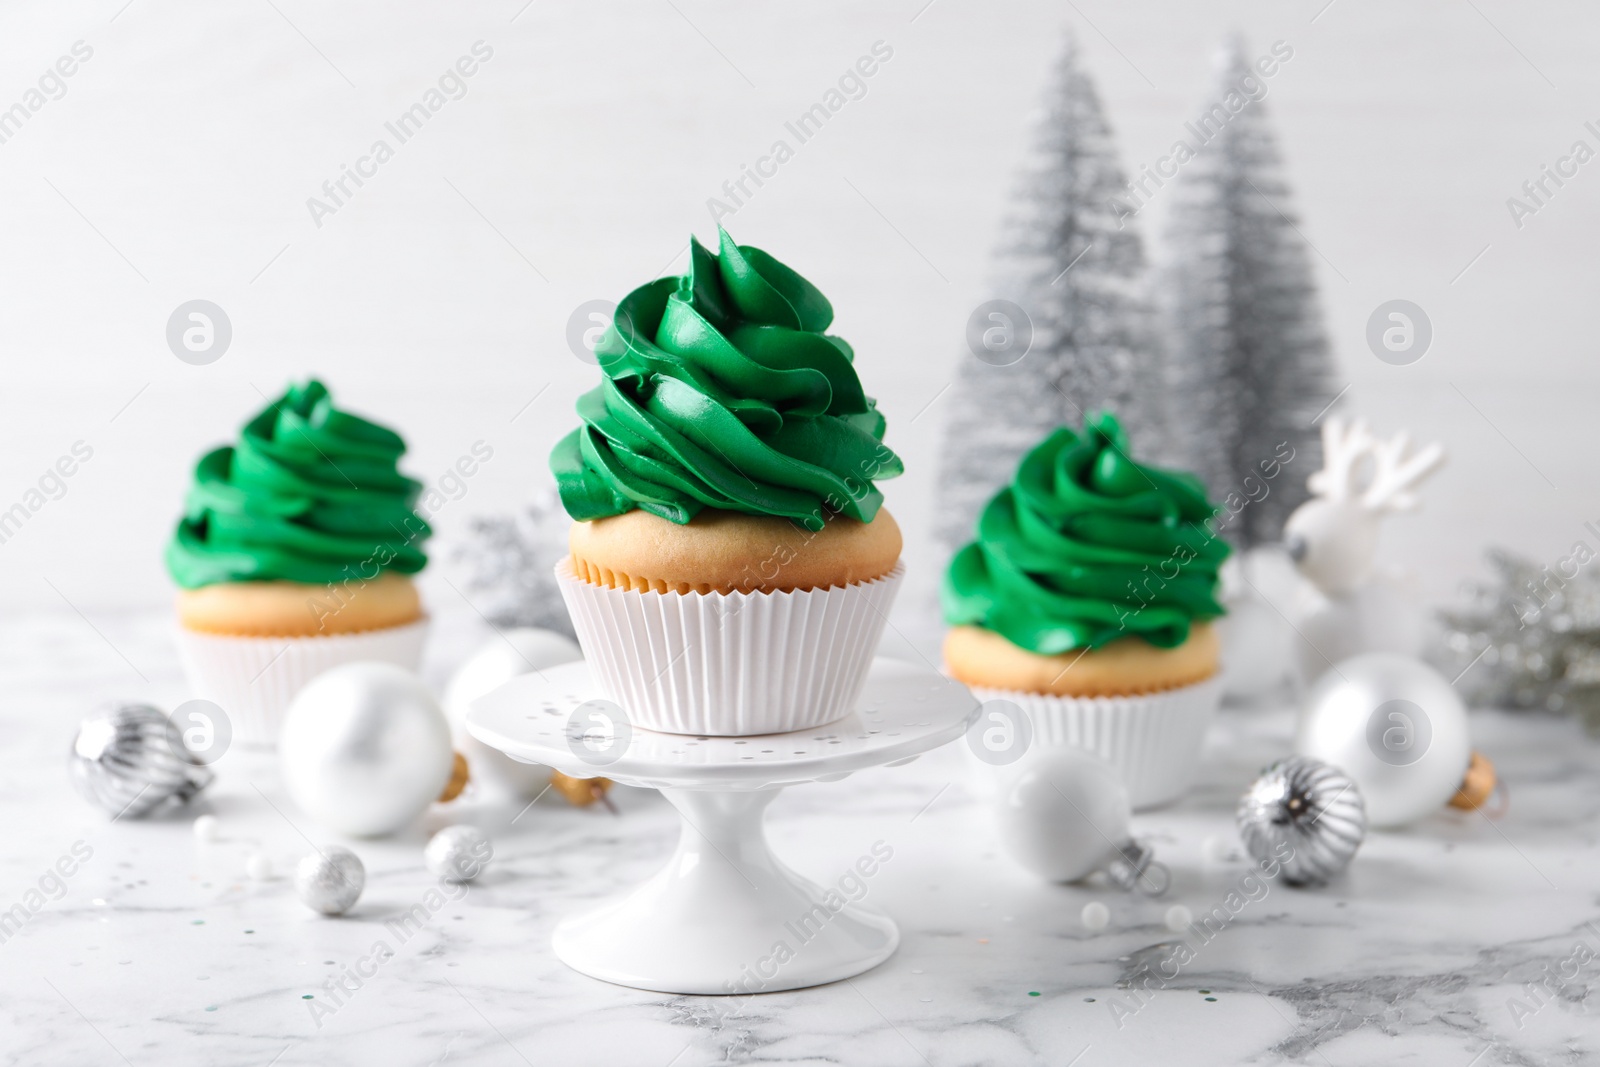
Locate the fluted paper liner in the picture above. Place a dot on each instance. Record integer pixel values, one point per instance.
(253, 679)
(730, 664)
(1153, 739)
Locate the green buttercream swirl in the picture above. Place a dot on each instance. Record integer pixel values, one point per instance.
(309, 494)
(1086, 546)
(723, 390)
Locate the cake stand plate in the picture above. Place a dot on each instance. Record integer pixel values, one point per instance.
(725, 916)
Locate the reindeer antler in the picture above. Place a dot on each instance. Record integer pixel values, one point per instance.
(1343, 447)
(1397, 473)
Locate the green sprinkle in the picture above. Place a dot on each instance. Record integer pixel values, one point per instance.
(1088, 1000)
(1203, 992)
(307, 996)
(198, 922)
(1212, 999)
(1032, 994)
(211, 1007)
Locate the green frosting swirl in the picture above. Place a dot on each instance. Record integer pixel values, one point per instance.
(1086, 546)
(722, 390)
(309, 494)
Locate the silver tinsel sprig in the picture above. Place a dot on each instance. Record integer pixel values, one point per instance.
(510, 561)
(1530, 637)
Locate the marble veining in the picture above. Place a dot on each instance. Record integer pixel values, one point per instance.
(1453, 942)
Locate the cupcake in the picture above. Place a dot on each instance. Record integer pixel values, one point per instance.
(731, 564)
(293, 556)
(1086, 601)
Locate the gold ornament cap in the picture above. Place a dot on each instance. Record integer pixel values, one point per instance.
(1478, 785)
(460, 774)
(581, 792)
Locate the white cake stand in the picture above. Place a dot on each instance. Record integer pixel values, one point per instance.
(725, 915)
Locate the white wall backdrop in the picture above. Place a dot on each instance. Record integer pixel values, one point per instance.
(176, 162)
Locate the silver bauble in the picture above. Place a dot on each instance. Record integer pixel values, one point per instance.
(458, 853)
(495, 775)
(365, 749)
(1305, 815)
(129, 760)
(1393, 724)
(330, 880)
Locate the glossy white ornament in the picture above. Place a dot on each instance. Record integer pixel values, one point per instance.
(1062, 813)
(365, 749)
(206, 828)
(1095, 916)
(510, 653)
(1257, 641)
(1396, 727)
(258, 867)
(1257, 648)
(1178, 918)
(457, 853)
(330, 880)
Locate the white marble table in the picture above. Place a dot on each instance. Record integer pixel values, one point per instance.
(159, 951)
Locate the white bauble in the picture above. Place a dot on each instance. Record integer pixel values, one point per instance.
(1257, 648)
(1061, 813)
(1257, 640)
(512, 653)
(1396, 727)
(365, 749)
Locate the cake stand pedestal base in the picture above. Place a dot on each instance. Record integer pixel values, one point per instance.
(726, 916)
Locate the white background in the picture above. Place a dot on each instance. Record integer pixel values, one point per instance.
(179, 162)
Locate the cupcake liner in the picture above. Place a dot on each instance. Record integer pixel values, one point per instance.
(253, 679)
(730, 664)
(1153, 739)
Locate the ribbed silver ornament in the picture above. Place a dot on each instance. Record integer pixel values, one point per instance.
(1310, 806)
(130, 759)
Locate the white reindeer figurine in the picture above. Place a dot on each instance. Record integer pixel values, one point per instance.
(1333, 540)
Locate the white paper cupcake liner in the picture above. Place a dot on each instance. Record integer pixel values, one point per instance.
(253, 679)
(1154, 740)
(730, 664)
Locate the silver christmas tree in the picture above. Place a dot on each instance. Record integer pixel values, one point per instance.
(1072, 261)
(511, 560)
(1247, 350)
